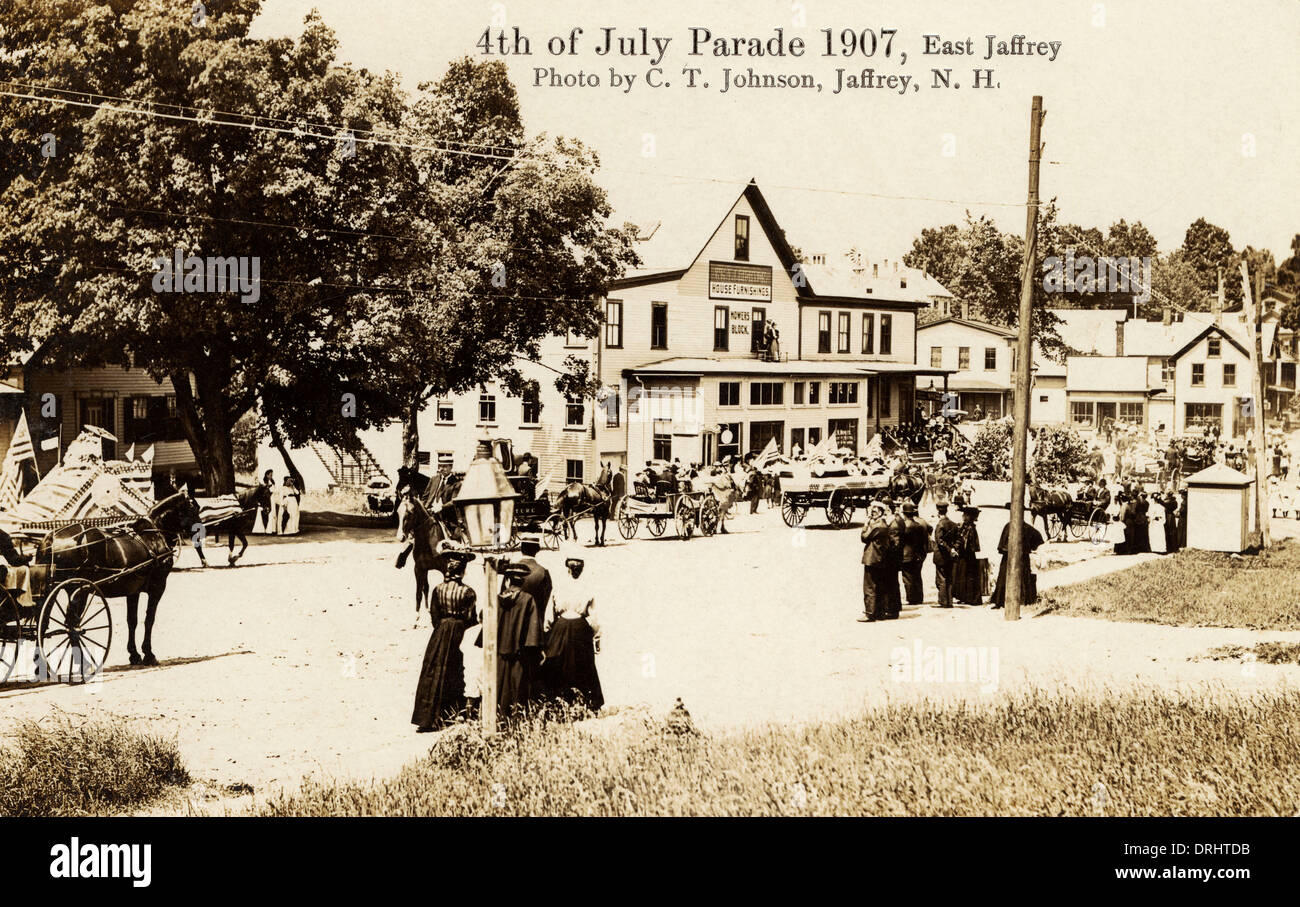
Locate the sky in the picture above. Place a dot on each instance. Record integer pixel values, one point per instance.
(1158, 111)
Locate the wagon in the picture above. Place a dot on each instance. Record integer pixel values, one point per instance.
(838, 495)
(1083, 520)
(59, 614)
(688, 509)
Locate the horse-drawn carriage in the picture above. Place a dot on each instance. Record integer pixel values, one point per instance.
(1064, 517)
(58, 601)
(688, 508)
(835, 490)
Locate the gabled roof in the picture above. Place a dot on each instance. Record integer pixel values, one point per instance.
(1205, 332)
(669, 251)
(970, 323)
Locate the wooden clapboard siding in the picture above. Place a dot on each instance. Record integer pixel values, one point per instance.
(113, 384)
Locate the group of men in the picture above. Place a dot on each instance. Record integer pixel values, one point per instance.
(894, 548)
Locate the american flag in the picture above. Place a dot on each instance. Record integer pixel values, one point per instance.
(768, 455)
(11, 474)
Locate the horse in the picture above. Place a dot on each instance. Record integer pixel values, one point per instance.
(122, 561)
(424, 530)
(578, 498)
(904, 485)
(1047, 502)
(722, 485)
(236, 526)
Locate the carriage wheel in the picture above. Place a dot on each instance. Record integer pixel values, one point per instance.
(792, 510)
(11, 634)
(710, 515)
(1055, 526)
(626, 522)
(1097, 526)
(551, 533)
(685, 517)
(839, 509)
(74, 631)
(658, 525)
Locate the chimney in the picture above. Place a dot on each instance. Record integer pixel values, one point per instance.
(1119, 338)
(965, 310)
(1168, 318)
(875, 270)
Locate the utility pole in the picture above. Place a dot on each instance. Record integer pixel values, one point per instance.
(1024, 353)
(1257, 403)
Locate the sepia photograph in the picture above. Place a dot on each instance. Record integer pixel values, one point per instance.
(785, 409)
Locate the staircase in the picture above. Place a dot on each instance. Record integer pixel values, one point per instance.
(354, 468)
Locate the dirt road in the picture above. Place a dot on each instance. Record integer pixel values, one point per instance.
(303, 659)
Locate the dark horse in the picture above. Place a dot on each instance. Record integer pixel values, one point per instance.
(1048, 502)
(904, 485)
(424, 530)
(123, 562)
(578, 499)
(236, 526)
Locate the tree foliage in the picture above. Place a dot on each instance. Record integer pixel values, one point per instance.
(435, 261)
(1060, 455)
(990, 452)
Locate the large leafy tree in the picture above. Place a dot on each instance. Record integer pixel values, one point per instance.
(375, 256)
(1208, 250)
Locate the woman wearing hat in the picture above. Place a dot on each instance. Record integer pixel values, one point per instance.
(440, 694)
(520, 643)
(573, 642)
(966, 586)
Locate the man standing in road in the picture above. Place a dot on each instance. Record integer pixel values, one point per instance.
(916, 544)
(537, 582)
(875, 561)
(892, 590)
(945, 540)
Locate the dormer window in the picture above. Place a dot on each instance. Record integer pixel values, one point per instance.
(742, 237)
(1212, 347)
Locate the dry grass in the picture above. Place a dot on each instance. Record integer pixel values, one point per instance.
(1271, 652)
(1036, 753)
(1194, 589)
(59, 768)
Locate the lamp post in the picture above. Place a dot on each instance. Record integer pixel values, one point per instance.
(486, 503)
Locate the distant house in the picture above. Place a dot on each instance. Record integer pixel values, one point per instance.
(137, 410)
(982, 355)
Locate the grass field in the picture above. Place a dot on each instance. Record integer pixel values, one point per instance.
(60, 768)
(1194, 589)
(1037, 753)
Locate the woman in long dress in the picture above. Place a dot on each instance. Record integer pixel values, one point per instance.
(966, 586)
(573, 642)
(290, 498)
(440, 694)
(1116, 532)
(1156, 525)
(520, 644)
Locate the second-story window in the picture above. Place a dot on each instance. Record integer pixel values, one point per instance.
(659, 325)
(990, 358)
(842, 333)
(721, 315)
(963, 357)
(573, 411)
(823, 332)
(757, 325)
(532, 404)
(936, 357)
(886, 335)
(487, 408)
(613, 324)
(868, 333)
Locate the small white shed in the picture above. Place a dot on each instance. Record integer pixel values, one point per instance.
(1218, 509)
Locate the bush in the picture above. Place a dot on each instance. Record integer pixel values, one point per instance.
(1060, 455)
(58, 768)
(989, 457)
(244, 439)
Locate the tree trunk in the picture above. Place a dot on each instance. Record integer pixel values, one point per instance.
(278, 443)
(209, 429)
(411, 437)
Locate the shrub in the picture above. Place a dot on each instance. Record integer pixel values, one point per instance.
(990, 453)
(58, 768)
(1060, 455)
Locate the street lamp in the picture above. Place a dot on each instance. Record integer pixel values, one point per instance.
(486, 503)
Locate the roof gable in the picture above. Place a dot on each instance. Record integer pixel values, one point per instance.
(1210, 329)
